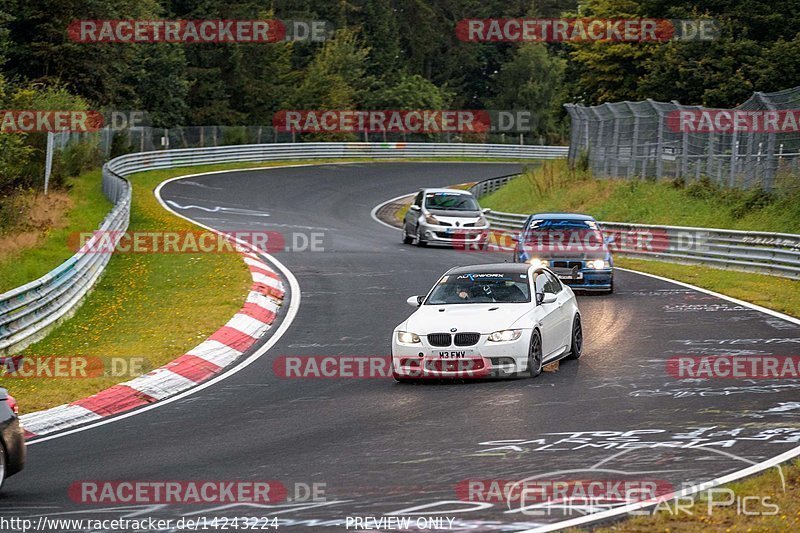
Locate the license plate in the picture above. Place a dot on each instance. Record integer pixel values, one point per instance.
(449, 231)
(579, 275)
(453, 354)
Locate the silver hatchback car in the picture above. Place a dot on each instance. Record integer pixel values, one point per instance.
(445, 216)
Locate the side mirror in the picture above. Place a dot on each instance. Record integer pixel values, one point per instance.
(415, 301)
(545, 298)
(486, 210)
(414, 207)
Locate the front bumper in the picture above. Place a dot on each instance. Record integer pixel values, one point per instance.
(590, 280)
(453, 235)
(483, 360)
(14, 440)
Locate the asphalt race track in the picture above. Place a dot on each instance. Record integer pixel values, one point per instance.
(383, 448)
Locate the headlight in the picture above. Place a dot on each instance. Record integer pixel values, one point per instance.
(537, 263)
(597, 264)
(482, 221)
(404, 337)
(430, 219)
(506, 335)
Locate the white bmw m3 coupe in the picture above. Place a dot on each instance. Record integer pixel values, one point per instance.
(496, 320)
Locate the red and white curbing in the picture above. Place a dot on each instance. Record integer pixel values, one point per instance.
(221, 349)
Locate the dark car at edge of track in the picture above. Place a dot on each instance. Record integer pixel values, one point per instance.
(12, 437)
(572, 245)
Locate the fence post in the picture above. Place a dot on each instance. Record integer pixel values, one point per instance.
(615, 139)
(48, 165)
(575, 132)
(734, 154)
(771, 167)
(595, 150)
(659, 139)
(634, 142)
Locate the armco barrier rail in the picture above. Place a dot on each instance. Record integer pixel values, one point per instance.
(777, 254)
(27, 312)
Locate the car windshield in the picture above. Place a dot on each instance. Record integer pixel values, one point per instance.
(496, 287)
(450, 201)
(563, 235)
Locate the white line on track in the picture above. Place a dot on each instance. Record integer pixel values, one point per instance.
(739, 474)
(294, 298)
(294, 306)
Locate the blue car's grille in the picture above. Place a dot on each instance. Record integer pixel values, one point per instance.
(567, 264)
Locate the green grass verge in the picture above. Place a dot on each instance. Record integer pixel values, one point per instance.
(780, 294)
(764, 490)
(150, 306)
(554, 187)
(89, 208)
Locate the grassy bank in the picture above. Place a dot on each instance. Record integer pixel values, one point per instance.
(780, 294)
(696, 517)
(38, 242)
(151, 306)
(554, 187)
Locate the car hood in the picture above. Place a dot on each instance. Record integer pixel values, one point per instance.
(452, 216)
(481, 318)
(564, 253)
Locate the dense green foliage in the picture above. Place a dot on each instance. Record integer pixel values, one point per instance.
(386, 54)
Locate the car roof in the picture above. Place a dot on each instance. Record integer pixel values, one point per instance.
(500, 268)
(561, 216)
(459, 191)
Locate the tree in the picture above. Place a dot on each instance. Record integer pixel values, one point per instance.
(533, 81)
(335, 77)
(412, 91)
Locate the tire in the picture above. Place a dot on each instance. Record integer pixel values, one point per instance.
(418, 240)
(535, 355)
(3, 465)
(576, 347)
(407, 239)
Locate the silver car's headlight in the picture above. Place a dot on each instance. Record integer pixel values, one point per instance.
(482, 221)
(405, 337)
(506, 335)
(598, 264)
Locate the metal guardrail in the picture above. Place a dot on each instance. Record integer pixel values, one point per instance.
(28, 312)
(776, 254)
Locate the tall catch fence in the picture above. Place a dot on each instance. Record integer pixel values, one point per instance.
(754, 145)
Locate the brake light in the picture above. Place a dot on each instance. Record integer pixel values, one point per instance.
(12, 403)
